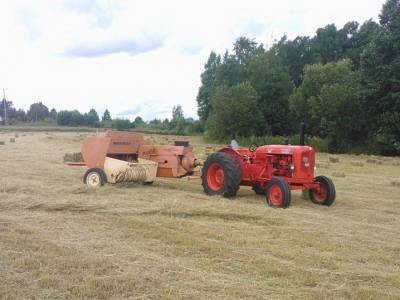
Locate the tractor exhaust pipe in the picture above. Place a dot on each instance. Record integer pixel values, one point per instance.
(302, 133)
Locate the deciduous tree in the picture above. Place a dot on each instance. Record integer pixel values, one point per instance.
(234, 111)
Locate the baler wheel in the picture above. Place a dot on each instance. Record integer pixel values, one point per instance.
(278, 193)
(94, 177)
(327, 193)
(220, 175)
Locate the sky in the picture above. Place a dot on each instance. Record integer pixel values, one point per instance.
(140, 58)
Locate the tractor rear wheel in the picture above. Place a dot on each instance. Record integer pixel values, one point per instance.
(220, 175)
(326, 194)
(94, 177)
(278, 193)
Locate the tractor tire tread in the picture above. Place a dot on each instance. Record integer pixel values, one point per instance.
(331, 191)
(232, 176)
(286, 194)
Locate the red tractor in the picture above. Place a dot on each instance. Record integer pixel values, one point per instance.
(272, 170)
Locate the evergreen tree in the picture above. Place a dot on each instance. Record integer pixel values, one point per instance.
(106, 116)
(208, 82)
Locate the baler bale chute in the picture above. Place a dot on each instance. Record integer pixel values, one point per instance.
(117, 156)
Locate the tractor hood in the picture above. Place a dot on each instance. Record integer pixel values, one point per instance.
(282, 149)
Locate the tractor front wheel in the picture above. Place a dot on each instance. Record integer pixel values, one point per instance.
(326, 194)
(278, 193)
(220, 175)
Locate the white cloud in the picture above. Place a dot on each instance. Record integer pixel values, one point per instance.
(133, 46)
(100, 12)
(143, 55)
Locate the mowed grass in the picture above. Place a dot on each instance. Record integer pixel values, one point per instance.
(61, 240)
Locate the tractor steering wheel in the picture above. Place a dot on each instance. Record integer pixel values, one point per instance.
(253, 147)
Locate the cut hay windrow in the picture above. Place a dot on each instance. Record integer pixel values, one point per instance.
(395, 183)
(371, 161)
(338, 174)
(333, 159)
(322, 165)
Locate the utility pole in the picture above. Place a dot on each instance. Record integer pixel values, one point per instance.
(5, 107)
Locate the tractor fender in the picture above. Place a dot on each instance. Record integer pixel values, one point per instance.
(230, 151)
(234, 153)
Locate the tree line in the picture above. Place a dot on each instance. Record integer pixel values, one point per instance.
(38, 112)
(343, 83)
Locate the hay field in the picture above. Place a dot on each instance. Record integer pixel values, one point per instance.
(61, 240)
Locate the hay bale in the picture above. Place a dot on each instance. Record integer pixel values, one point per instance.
(396, 163)
(333, 159)
(338, 174)
(73, 157)
(12, 140)
(371, 161)
(2, 143)
(395, 183)
(357, 163)
(209, 150)
(322, 165)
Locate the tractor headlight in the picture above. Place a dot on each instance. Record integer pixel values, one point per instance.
(292, 167)
(306, 162)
